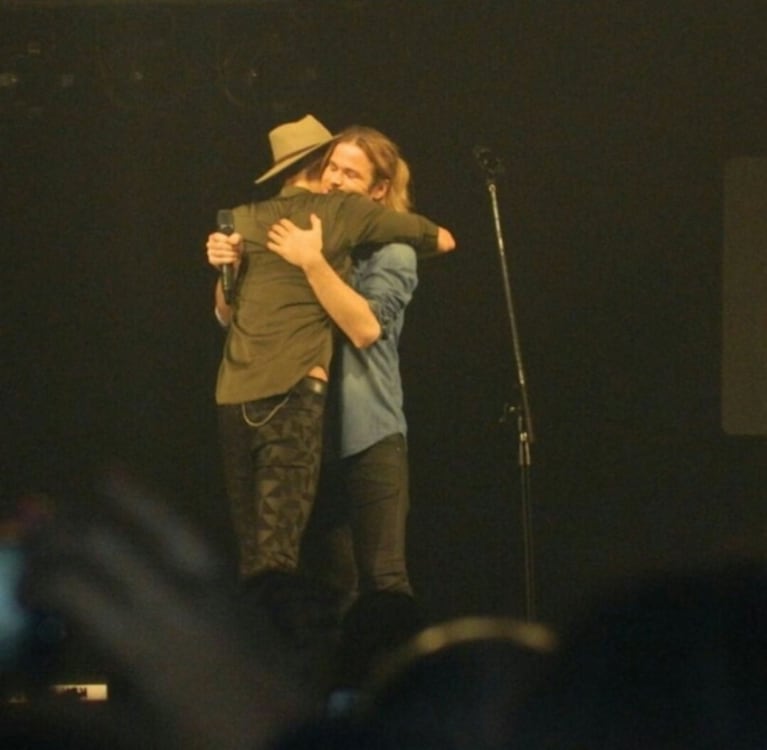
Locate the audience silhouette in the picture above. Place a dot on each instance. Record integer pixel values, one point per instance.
(673, 662)
(197, 659)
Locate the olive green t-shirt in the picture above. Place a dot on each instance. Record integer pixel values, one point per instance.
(279, 330)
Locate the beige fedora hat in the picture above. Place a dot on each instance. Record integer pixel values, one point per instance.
(294, 140)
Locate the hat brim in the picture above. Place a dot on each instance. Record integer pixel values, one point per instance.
(287, 161)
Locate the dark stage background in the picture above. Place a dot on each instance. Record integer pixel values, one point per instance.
(131, 124)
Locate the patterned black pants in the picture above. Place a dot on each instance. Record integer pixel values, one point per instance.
(271, 452)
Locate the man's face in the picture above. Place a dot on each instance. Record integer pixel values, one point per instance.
(350, 170)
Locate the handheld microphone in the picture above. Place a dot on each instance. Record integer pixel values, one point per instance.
(225, 221)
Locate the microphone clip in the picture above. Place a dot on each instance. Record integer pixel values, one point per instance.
(489, 162)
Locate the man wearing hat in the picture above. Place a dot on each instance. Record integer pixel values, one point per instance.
(273, 375)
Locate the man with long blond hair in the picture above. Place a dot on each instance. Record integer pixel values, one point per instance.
(364, 484)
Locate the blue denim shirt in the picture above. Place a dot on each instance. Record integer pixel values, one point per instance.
(370, 396)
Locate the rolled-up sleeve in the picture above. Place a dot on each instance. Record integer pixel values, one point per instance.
(387, 278)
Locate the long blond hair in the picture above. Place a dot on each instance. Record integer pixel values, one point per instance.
(388, 164)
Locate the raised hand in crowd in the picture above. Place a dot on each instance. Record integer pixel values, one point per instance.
(145, 588)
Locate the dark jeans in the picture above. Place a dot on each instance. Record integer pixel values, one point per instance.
(271, 452)
(356, 538)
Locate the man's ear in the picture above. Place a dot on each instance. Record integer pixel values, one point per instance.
(380, 190)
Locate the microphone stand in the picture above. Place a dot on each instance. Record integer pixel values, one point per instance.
(493, 168)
